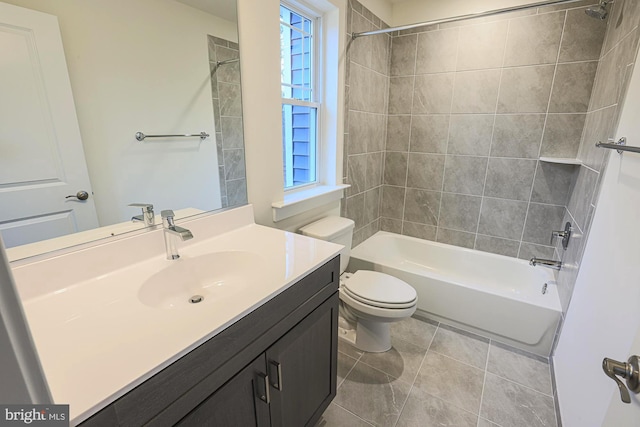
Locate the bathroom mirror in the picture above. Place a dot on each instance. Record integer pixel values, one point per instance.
(159, 67)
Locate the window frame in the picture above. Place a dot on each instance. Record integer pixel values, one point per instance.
(315, 16)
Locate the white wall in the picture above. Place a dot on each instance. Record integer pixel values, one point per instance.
(141, 66)
(414, 11)
(260, 60)
(383, 9)
(603, 318)
(259, 35)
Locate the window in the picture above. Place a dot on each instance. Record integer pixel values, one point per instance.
(300, 106)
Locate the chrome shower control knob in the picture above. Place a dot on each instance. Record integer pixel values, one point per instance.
(565, 234)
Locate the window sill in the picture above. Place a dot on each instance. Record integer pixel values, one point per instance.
(304, 200)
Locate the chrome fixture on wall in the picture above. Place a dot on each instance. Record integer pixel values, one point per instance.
(227, 61)
(565, 234)
(600, 11)
(620, 146)
(549, 263)
(471, 16)
(141, 136)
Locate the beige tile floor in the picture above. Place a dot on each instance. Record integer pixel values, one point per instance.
(436, 375)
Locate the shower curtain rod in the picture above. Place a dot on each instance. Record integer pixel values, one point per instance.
(462, 17)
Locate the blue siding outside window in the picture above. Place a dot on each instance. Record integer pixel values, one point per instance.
(298, 121)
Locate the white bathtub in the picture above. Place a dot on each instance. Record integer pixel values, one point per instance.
(495, 296)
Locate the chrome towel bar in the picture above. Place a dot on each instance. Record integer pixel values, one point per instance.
(141, 136)
(619, 146)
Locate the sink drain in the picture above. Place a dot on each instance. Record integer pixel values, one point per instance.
(196, 299)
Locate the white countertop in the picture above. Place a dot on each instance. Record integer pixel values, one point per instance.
(97, 340)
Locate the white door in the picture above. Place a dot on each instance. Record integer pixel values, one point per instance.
(603, 319)
(620, 414)
(623, 201)
(41, 155)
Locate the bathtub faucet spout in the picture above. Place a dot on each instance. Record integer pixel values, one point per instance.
(556, 265)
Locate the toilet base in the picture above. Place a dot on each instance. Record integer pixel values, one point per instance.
(373, 337)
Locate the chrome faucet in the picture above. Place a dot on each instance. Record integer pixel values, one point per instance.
(147, 216)
(556, 265)
(171, 233)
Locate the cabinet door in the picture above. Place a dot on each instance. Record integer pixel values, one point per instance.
(302, 368)
(241, 402)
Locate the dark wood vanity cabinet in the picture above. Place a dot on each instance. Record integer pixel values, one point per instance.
(274, 367)
(237, 403)
(302, 368)
(285, 386)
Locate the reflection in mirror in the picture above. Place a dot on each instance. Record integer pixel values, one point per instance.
(76, 91)
(224, 59)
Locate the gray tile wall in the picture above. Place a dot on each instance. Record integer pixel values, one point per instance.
(227, 110)
(472, 106)
(367, 91)
(611, 82)
(457, 170)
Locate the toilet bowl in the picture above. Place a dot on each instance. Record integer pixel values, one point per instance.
(370, 299)
(375, 300)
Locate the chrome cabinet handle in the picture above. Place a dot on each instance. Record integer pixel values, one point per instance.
(265, 397)
(80, 195)
(277, 384)
(629, 371)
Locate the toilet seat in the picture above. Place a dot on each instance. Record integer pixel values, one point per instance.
(371, 312)
(379, 290)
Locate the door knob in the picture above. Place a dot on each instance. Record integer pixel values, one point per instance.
(629, 371)
(80, 195)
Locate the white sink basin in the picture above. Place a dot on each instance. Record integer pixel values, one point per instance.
(203, 279)
(130, 307)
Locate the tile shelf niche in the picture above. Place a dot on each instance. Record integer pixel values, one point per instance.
(561, 160)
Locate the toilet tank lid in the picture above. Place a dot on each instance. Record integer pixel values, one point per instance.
(328, 228)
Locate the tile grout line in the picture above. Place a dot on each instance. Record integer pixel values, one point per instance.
(522, 385)
(508, 348)
(474, 195)
(417, 373)
(484, 382)
(413, 94)
(355, 415)
(491, 343)
(493, 131)
(444, 167)
(500, 345)
(351, 369)
(544, 127)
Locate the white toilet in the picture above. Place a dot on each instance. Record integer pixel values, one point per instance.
(369, 298)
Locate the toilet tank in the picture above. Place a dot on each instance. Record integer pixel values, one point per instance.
(333, 229)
